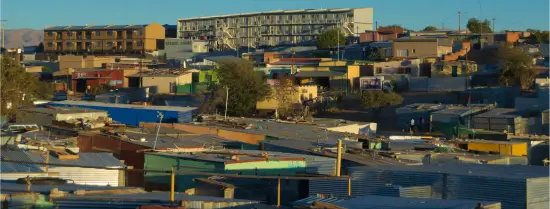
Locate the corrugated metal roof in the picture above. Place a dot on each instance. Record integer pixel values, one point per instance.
(16, 154)
(98, 159)
(95, 27)
(419, 107)
(99, 104)
(464, 110)
(381, 202)
(75, 27)
(502, 171)
(117, 27)
(12, 186)
(500, 113)
(309, 200)
(156, 196)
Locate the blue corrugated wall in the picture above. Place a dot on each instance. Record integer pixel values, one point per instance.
(133, 117)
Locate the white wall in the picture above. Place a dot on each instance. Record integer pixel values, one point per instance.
(363, 15)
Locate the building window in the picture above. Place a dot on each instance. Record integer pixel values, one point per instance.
(139, 32)
(139, 43)
(98, 44)
(50, 44)
(50, 34)
(110, 33)
(110, 43)
(69, 44)
(69, 34)
(378, 70)
(414, 51)
(98, 33)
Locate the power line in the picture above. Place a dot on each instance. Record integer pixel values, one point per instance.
(186, 172)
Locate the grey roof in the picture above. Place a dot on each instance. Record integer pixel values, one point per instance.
(383, 202)
(223, 58)
(136, 26)
(162, 141)
(12, 186)
(100, 104)
(15, 154)
(419, 107)
(314, 74)
(117, 27)
(55, 28)
(97, 159)
(95, 27)
(464, 110)
(252, 155)
(151, 196)
(497, 171)
(308, 201)
(60, 110)
(75, 27)
(500, 113)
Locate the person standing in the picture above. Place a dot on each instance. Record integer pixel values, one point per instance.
(421, 125)
(412, 125)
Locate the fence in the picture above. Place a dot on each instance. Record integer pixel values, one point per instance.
(438, 84)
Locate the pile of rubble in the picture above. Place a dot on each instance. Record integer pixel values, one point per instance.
(84, 123)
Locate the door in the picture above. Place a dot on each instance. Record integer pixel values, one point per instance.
(455, 71)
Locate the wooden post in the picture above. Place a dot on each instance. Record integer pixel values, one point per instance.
(339, 158)
(349, 186)
(278, 192)
(47, 161)
(172, 185)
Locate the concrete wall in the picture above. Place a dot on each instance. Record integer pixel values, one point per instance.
(365, 17)
(303, 93)
(415, 49)
(163, 84)
(438, 84)
(445, 68)
(290, 165)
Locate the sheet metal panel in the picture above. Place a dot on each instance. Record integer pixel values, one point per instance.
(373, 181)
(87, 176)
(335, 187)
(538, 195)
(510, 192)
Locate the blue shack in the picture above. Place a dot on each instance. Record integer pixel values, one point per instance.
(134, 114)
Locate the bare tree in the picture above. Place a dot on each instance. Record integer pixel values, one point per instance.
(284, 92)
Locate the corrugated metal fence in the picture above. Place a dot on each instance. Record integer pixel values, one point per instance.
(438, 84)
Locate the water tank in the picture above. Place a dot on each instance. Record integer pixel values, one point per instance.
(538, 153)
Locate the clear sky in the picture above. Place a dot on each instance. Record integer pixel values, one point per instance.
(414, 14)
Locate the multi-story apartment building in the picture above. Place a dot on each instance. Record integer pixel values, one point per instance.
(274, 27)
(103, 39)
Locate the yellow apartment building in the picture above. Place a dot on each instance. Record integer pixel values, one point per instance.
(103, 39)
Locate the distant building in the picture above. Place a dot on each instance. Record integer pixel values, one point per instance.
(273, 28)
(170, 31)
(453, 68)
(166, 81)
(103, 39)
(421, 47)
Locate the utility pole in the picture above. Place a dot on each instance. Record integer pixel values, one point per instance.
(3, 34)
(226, 100)
(494, 25)
(338, 39)
(459, 13)
(160, 115)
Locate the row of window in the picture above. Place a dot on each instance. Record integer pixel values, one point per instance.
(97, 44)
(96, 33)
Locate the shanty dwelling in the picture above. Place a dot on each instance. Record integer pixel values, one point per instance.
(129, 146)
(167, 81)
(507, 120)
(416, 112)
(46, 116)
(515, 186)
(66, 166)
(245, 162)
(134, 114)
(449, 119)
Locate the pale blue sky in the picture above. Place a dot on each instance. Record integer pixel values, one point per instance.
(414, 14)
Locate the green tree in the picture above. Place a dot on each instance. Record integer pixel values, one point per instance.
(245, 86)
(375, 54)
(18, 88)
(517, 67)
(430, 28)
(330, 39)
(537, 37)
(474, 25)
(47, 69)
(284, 91)
(40, 47)
(379, 99)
